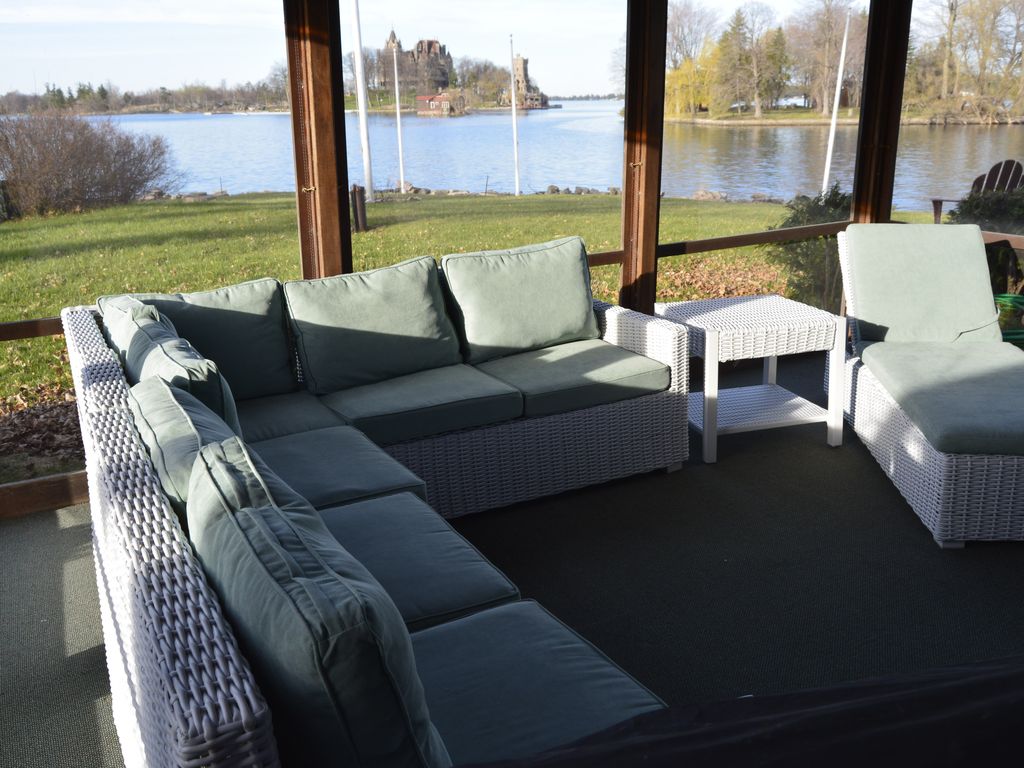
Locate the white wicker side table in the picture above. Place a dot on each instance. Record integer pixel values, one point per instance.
(766, 327)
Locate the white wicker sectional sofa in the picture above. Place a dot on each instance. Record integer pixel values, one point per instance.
(184, 694)
(926, 287)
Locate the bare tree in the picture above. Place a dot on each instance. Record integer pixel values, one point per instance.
(760, 22)
(691, 24)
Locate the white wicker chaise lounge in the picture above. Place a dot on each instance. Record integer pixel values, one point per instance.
(921, 293)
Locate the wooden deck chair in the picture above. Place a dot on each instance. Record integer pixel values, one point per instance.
(1006, 175)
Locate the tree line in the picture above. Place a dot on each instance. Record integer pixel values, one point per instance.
(753, 61)
(269, 93)
(966, 59)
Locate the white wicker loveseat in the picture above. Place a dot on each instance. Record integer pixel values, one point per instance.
(938, 273)
(183, 693)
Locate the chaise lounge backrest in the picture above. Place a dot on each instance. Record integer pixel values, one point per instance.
(918, 282)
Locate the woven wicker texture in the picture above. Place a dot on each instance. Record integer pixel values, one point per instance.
(753, 326)
(746, 409)
(958, 497)
(478, 469)
(182, 693)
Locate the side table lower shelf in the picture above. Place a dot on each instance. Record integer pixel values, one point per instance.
(764, 406)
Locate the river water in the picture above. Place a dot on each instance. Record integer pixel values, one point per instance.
(578, 145)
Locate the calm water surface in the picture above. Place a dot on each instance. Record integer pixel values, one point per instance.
(578, 145)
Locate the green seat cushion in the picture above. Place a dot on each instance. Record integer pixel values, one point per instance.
(369, 326)
(327, 646)
(336, 465)
(150, 347)
(429, 570)
(174, 426)
(263, 418)
(427, 403)
(512, 301)
(965, 398)
(578, 374)
(240, 327)
(921, 282)
(511, 682)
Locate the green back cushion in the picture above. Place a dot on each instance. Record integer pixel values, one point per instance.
(174, 426)
(240, 327)
(119, 315)
(527, 298)
(370, 326)
(149, 347)
(920, 282)
(326, 643)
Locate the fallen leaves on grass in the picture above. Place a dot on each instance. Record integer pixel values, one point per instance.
(41, 421)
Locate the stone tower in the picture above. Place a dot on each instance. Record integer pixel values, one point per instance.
(522, 78)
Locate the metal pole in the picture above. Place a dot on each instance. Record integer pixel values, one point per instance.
(398, 123)
(364, 132)
(835, 109)
(515, 127)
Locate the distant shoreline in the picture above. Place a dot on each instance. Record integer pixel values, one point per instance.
(938, 121)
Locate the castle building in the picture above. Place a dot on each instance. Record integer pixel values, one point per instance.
(427, 68)
(528, 96)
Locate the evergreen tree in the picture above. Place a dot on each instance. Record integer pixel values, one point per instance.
(733, 78)
(776, 78)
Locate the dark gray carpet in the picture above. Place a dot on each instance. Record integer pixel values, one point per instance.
(786, 565)
(54, 693)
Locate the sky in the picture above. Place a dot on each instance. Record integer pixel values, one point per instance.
(142, 44)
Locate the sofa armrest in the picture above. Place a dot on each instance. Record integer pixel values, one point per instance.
(653, 337)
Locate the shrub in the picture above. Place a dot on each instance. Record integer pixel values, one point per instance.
(813, 264)
(55, 162)
(996, 211)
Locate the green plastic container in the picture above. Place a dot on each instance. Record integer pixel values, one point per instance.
(1011, 317)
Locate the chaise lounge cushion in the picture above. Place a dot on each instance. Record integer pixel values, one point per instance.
(578, 374)
(513, 681)
(174, 426)
(263, 418)
(240, 327)
(366, 327)
(429, 570)
(965, 398)
(506, 302)
(149, 346)
(328, 648)
(427, 403)
(897, 270)
(336, 465)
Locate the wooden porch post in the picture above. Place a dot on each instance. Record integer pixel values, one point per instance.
(644, 126)
(878, 139)
(315, 80)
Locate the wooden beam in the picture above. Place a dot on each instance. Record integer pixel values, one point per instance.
(605, 259)
(644, 127)
(30, 329)
(885, 60)
(315, 76)
(43, 494)
(751, 238)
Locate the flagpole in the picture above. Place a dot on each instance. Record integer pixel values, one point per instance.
(360, 75)
(835, 109)
(398, 123)
(515, 127)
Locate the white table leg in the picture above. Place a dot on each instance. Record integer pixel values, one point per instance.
(710, 436)
(771, 370)
(837, 386)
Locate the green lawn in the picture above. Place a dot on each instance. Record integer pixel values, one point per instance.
(48, 263)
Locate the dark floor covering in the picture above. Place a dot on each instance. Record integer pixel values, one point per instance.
(786, 565)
